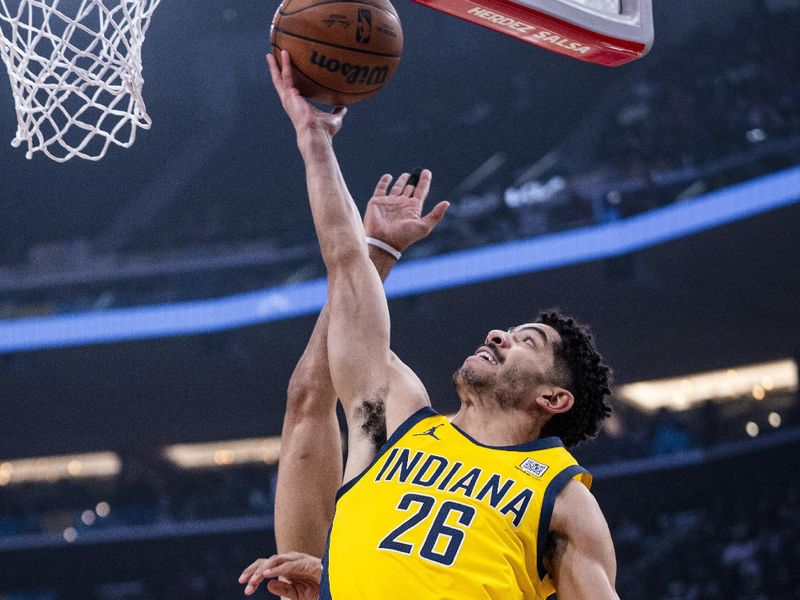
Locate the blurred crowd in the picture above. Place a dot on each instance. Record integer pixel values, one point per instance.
(724, 89)
(738, 545)
(727, 528)
(147, 492)
(728, 549)
(151, 490)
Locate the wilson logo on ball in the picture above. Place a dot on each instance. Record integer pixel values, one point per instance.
(352, 73)
(364, 29)
(342, 51)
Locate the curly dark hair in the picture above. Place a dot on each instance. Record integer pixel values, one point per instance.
(581, 370)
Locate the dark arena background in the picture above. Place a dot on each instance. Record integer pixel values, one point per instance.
(153, 304)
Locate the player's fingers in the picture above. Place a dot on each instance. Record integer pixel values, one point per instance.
(286, 71)
(279, 559)
(281, 588)
(256, 577)
(248, 572)
(383, 185)
(250, 589)
(278, 79)
(400, 184)
(285, 569)
(274, 561)
(433, 218)
(337, 117)
(412, 183)
(424, 185)
(253, 583)
(274, 72)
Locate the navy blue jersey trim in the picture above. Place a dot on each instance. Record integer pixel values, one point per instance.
(548, 503)
(550, 597)
(325, 584)
(540, 444)
(404, 428)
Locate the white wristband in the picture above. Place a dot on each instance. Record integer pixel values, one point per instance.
(385, 247)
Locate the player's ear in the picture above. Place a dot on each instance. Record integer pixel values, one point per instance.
(556, 400)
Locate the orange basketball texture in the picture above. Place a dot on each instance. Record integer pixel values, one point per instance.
(342, 51)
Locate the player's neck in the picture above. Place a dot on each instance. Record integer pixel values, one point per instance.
(495, 426)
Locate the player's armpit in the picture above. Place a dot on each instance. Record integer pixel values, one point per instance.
(364, 371)
(376, 417)
(376, 414)
(581, 560)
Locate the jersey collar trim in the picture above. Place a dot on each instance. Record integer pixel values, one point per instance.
(540, 444)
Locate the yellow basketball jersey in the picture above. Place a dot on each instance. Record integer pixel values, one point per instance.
(438, 515)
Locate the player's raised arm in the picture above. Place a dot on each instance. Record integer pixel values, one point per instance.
(310, 468)
(363, 370)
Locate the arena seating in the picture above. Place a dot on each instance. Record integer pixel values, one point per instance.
(716, 522)
(658, 139)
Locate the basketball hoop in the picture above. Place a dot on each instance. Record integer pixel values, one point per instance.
(76, 73)
(605, 32)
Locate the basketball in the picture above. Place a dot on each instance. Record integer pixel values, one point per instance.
(342, 51)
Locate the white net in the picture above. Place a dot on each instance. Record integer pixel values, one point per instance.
(76, 73)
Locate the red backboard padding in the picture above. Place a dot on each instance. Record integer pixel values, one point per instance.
(546, 30)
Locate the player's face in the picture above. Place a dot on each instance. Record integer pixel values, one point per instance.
(512, 363)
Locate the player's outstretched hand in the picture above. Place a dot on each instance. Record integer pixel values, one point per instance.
(299, 574)
(395, 215)
(303, 115)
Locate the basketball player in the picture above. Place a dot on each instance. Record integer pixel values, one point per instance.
(310, 468)
(490, 505)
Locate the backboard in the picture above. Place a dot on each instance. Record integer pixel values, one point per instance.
(605, 32)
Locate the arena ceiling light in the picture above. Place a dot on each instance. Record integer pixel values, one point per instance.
(224, 453)
(680, 393)
(49, 469)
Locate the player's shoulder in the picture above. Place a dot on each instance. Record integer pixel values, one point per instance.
(577, 512)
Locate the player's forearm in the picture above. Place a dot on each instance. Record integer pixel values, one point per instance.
(338, 224)
(310, 384)
(311, 376)
(358, 332)
(382, 261)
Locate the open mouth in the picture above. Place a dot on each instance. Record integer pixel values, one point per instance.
(486, 355)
